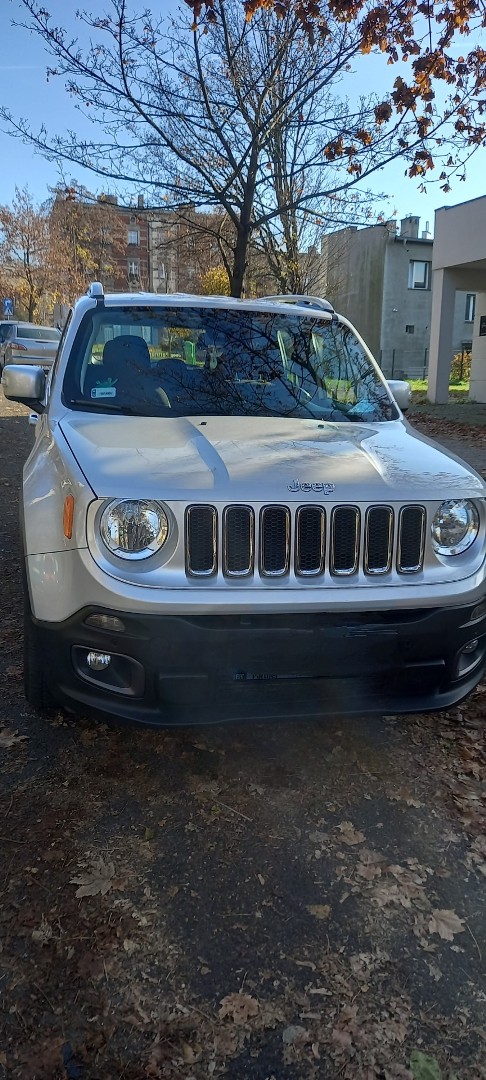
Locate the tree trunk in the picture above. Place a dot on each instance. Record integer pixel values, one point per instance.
(240, 260)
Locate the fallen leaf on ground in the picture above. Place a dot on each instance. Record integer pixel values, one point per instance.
(9, 738)
(368, 871)
(350, 835)
(294, 1034)
(320, 911)
(445, 923)
(190, 1055)
(98, 880)
(342, 1039)
(44, 932)
(403, 795)
(240, 1007)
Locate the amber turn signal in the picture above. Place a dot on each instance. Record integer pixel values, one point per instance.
(68, 516)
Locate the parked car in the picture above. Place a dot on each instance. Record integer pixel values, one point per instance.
(244, 528)
(26, 343)
(5, 325)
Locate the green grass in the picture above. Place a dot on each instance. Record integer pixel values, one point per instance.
(457, 388)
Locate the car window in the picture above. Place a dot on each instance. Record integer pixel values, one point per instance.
(190, 361)
(38, 333)
(5, 331)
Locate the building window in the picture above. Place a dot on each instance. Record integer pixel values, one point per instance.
(419, 274)
(134, 268)
(133, 237)
(410, 328)
(470, 307)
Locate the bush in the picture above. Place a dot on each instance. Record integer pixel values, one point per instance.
(461, 367)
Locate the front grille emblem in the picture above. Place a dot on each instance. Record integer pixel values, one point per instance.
(326, 489)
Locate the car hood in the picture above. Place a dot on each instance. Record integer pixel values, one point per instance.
(255, 459)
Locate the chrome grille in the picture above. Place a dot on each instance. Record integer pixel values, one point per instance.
(274, 540)
(238, 540)
(310, 539)
(411, 539)
(318, 543)
(378, 539)
(201, 541)
(344, 540)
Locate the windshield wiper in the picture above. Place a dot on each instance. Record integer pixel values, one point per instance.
(102, 406)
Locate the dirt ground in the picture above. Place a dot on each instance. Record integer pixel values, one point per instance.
(269, 902)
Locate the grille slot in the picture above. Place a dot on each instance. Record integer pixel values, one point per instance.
(344, 540)
(201, 541)
(378, 539)
(411, 539)
(274, 540)
(238, 540)
(310, 528)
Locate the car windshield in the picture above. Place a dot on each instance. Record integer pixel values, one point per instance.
(189, 361)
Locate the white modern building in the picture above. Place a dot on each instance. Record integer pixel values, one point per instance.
(458, 265)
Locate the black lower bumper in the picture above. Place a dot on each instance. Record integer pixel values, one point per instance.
(170, 670)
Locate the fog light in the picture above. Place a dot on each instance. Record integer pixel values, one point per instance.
(98, 661)
(470, 657)
(478, 613)
(105, 622)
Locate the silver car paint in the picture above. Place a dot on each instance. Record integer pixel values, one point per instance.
(256, 458)
(84, 584)
(221, 459)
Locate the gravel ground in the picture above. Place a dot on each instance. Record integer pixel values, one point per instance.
(273, 902)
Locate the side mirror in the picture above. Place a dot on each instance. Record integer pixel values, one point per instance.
(402, 393)
(26, 384)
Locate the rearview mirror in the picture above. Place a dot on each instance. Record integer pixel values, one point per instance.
(402, 392)
(26, 384)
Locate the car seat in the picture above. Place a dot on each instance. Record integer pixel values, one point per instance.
(126, 366)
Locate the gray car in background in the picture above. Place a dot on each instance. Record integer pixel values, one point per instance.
(26, 343)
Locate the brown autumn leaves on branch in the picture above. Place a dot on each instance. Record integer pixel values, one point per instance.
(421, 32)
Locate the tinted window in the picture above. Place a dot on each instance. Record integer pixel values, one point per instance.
(191, 361)
(4, 331)
(38, 333)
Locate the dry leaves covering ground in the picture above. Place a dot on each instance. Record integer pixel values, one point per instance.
(278, 902)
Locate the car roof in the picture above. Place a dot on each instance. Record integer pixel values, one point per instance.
(37, 326)
(228, 303)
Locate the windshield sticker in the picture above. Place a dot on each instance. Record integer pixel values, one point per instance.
(103, 392)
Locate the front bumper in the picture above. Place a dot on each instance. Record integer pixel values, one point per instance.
(192, 669)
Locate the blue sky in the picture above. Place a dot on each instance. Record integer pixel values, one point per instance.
(25, 91)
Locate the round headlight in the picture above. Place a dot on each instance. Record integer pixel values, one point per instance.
(455, 527)
(134, 529)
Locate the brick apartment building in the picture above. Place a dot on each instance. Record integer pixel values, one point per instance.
(162, 250)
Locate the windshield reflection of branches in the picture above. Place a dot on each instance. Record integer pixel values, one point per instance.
(250, 363)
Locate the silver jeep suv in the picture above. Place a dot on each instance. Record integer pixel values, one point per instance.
(226, 516)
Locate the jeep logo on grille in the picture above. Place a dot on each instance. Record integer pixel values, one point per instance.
(327, 489)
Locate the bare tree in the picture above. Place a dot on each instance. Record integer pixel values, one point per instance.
(25, 251)
(86, 235)
(248, 116)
